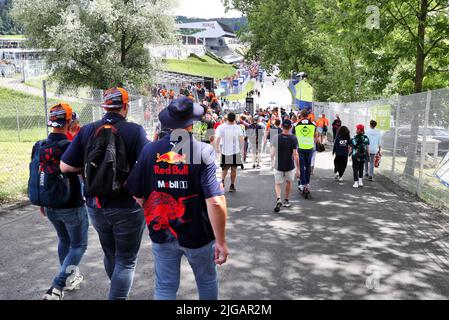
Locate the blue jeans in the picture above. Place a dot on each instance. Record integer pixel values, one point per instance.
(167, 261)
(120, 232)
(305, 165)
(72, 226)
(369, 165)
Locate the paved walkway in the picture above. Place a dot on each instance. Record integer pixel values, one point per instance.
(17, 84)
(339, 245)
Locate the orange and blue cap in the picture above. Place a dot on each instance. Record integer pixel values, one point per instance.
(60, 115)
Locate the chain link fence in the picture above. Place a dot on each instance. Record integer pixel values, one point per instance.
(23, 121)
(415, 139)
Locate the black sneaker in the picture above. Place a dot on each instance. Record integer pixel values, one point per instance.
(278, 207)
(370, 179)
(254, 166)
(232, 188)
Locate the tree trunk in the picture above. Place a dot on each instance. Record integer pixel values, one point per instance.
(123, 48)
(419, 77)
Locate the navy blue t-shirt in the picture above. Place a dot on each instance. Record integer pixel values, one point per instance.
(135, 140)
(341, 146)
(285, 145)
(175, 179)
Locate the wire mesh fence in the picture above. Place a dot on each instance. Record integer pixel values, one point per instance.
(23, 122)
(415, 139)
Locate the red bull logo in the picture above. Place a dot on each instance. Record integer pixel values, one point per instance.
(171, 158)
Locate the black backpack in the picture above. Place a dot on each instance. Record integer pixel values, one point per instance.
(360, 155)
(106, 166)
(47, 186)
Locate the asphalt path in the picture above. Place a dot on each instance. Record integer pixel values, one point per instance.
(374, 243)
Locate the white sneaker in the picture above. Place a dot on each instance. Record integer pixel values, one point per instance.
(361, 183)
(74, 284)
(356, 185)
(301, 188)
(337, 176)
(341, 179)
(54, 294)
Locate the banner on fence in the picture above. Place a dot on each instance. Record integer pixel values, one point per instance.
(382, 115)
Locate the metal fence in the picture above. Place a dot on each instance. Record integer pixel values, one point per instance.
(415, 139)
(23, 122)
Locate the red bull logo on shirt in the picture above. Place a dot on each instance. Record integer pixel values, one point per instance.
(171, 158)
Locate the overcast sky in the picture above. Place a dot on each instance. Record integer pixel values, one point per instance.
(204, 9)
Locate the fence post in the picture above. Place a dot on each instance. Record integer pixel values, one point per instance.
(396, 131)
(44, 88)
(424, 142)
(18, 124)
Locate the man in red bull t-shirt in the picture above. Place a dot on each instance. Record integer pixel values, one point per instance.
(176, 183)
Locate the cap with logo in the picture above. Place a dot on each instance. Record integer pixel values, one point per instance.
(115, 98)
(181, 113)
(59, 115)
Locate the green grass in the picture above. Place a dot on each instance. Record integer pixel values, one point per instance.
(14, 172)
(205, 67)
(241, 96)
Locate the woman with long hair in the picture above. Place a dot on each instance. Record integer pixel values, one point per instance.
(341, 152)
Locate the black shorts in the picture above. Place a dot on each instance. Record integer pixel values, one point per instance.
(234, 160)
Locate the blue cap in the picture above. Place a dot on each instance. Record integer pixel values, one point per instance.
(287, 123)
(181, 113)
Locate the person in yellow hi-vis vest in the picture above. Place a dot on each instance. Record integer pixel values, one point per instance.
(307, 136)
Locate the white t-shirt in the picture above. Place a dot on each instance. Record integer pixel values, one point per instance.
(230, 135)
(375, 138)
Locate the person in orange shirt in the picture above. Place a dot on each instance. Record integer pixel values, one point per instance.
(311, 117)
(323, 127)
(74, 127)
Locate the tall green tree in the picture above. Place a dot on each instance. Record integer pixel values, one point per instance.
(347, 60)
(7, 23)
(96, 43)
(423, 26)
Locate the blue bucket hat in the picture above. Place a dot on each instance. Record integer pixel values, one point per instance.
(181, 113)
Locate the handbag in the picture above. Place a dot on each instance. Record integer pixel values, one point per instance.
(320, 147)
(377, 160)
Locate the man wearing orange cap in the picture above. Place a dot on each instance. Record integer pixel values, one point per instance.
(68, 216)
(114, 213)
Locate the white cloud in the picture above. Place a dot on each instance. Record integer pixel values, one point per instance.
(204, 9)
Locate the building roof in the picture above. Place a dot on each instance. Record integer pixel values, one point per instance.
(210, 29)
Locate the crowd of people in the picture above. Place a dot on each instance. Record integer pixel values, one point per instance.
(108, 174)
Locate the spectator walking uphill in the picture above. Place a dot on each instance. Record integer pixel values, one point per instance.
(60, 199)
(307, 136)
(359, 150)
(255, 135)
(185, 208)
(322, 126)
(108, 150)
(285, 162)
(336, 125)
(230, 138)
(375, 149)
(341, 152)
